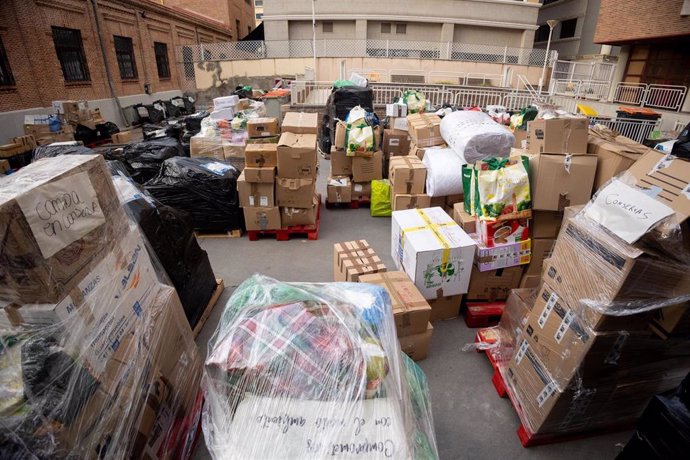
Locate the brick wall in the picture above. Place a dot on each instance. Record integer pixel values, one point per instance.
(630, 20)
(226, 11)
(25, 29)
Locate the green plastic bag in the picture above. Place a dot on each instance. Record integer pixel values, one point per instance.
(381, 198)
(494, 205)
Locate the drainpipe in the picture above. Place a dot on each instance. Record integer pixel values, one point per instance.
(108, 74)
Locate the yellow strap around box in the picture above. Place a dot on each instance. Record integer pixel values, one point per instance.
(434, 227)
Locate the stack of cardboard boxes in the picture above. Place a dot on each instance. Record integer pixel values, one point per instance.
(38, 127)
(407, 175)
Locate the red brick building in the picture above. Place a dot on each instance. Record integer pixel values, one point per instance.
(238, 15)
(58, 50)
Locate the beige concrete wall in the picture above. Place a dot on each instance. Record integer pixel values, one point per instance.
(302, 30)
(415, 31)
(487, 35)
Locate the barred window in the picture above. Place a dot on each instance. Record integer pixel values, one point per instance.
(162, 63)
(70, 52)
(6, 77)
(124, 50)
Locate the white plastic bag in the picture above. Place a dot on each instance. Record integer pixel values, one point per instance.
(475, 136)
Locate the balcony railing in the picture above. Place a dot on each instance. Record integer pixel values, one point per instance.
(670, 97)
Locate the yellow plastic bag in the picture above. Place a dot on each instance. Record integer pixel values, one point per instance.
(381, 198)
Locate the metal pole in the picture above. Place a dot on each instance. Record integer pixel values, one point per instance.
(313, 27)
(546, 58)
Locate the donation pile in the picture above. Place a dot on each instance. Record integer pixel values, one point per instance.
(296, 370)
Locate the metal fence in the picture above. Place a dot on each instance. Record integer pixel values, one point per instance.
(587, 89)
(637, 130)
(583, 71)
(670, 97)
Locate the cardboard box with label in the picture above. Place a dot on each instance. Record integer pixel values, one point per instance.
(352, 259)
(558, 181)
(520, 138)
(261, 155)
(411, 311)
(297, 155)
(402, 201)
(541, 250)
(260, 194)
(256, 218)
(416, 346)
(494, 284)
(433, 250)
(123, 137)
(424, 129)
(290, 217)
(339, 190)
(558, 136)
(367, 169)
(546, 224)
(503, 255)
(300, 123)
(464, 220)
(615, 154)
(262, 127)
(446, 307)
(396, 142)
(266, 175)
(341, 163)
(295, 193)
(407, 175)
(361, 191)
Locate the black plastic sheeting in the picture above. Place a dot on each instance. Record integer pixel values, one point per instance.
(103, 132)
(143, 160)
(50, 151)
(170, 233)
(681, 148)
(340, 102)
(204, 187)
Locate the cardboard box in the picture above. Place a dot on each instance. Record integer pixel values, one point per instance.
(295, 193)
(541, 250)
(433, 250)
(396, 110)
(417, 151)
(339, 190)
(452, 199)
(206, 147)
(301, 123)
(396, 142)
(558, 181)
(4, 166)
(402, 201)
(263, 140)
(615, 154)
(341, 164)
(505, 231)
(425, 129)
(398, 123)
(123, 137)
(353, 259)
(290, 217)
(520, 138)
(530, 281)
(673, 320)
(262, 218)
(297, 156)
(438, 201)
(407, 175)
(266, 175)
(416, 346)
(262, 127)
(261, 155)
(44, 248)
(339, 140)
(546, 224)
(464, 220)
(558, 136)
(517, 308)
(494, 284)
(255, 193)
(411, 311)
(367, 169)
(447, 307)
(361, 191)
(503, 255)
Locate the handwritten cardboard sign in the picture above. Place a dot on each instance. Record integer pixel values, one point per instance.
(627, 212)
(283, 428)
(61, 212)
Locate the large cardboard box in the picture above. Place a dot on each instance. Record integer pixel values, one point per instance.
(615, 153)
(206, 147)
(407, 175)
(266, 175)
(56, 216)
(395, 142)
(367, 169)
(361, 191)
(411, 311)
(447, 307)
(464, 220)
(301, 123)
(520, 138)
(493, 285)
(558, 136)
(402, 201)
(503, 255)
(338, 190)
(546, 224)
(558, 181)
(261, 155)
(290, 217)
(341, 163)
(541, 250)
(530, 281)
(262, 127)
(352, 259)
(255, 193)
(295, 193)
(673, 320)
(416, 346)
(256, 218)
(297, 155)
(123, 137)
(424, 129)
(433, 250)
(263, 140)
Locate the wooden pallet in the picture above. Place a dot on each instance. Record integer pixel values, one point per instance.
(220, 285)
(311, 231)
(229, 234)
(354, 204)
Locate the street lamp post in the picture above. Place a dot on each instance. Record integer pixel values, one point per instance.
(551, 23)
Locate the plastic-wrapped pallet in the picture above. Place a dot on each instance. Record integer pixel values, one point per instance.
(102, 364)
(444, 172)
(474, 136)
(299, 370)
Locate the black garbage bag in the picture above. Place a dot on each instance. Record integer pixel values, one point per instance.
(50, 151)
(325, 135)
(101, 132)
(143, 159)
(192, 123)
(681, 148)
(170, 233)
(171, 110)
(204, 187)
(345, 98)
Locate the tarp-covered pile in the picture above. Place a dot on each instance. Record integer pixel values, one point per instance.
(313, 371)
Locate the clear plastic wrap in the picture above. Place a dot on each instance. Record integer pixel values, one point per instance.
(102, 362)
(298, 370)
(474, 136)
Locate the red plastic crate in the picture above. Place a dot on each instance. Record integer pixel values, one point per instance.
(483, 314)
